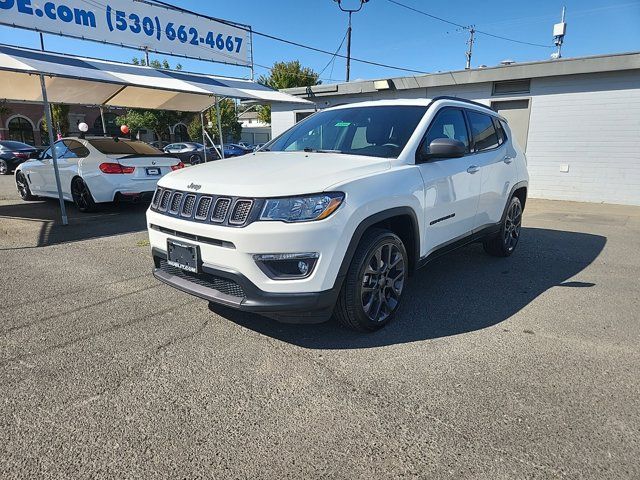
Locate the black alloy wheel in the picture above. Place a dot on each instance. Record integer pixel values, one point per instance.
(504, 244)
(374, 285)
(23, 187)
(82, 196)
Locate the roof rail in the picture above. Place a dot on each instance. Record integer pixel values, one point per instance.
(458, 99)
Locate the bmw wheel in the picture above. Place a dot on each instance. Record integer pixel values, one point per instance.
(375, 282)
(23, 187)
(82, 196)
(503, 244)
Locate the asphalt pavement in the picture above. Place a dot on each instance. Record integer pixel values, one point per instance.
(526, 367)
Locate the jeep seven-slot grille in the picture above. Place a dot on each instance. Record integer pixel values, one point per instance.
(240, 212)
(202, 212)
(189, 203)
(175, 202)
(219, 210)
(221, 284)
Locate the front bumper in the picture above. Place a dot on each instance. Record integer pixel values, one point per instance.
(232, 289)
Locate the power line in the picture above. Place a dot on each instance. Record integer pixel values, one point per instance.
(333, 59)
(284, 40)
(466, 27)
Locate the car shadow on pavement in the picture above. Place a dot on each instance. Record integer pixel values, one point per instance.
(38, 223)
(461, 292)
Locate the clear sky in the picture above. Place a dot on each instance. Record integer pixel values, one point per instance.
(388, 33)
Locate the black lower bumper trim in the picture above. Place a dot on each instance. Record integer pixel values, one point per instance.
(311, 307)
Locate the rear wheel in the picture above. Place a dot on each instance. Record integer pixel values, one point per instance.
(4, 167)
(23, 187)
(82, 197)
(503, 244)
(374, 284)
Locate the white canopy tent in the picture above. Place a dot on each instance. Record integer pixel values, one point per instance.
(36, 76)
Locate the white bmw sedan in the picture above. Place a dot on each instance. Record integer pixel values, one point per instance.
(96, 170)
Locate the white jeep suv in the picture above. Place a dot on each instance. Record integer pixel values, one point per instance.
(332, 216)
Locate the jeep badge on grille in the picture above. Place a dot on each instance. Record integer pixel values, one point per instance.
(194, 186)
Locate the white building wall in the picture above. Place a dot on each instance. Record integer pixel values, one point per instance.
(590, 123)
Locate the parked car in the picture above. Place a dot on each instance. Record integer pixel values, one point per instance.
(234, 150)
(246, 146)
(96, 170)
(258, 146)
(12, 154)
(159, 144)
(190, 152)
(336, 213)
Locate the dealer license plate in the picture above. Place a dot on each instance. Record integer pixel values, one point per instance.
(183, 256)
(153, 171)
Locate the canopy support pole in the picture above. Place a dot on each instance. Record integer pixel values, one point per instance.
(104, 125)
(204, 138)
(54, 155)
(219, 126)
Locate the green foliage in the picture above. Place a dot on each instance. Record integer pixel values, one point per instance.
(231, 128)
(60, 118)
(4, 109)
(158, 121)
(155, 63)
(286, 75)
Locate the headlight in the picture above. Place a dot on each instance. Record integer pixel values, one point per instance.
(302, 209)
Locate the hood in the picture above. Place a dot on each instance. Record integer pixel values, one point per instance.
(273, 174)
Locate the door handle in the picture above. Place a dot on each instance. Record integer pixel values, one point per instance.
(473, 169)
(507, 159)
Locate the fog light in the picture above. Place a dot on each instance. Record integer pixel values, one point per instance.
(282, 266)
(303, 266)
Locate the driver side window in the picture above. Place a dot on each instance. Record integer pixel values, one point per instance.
(448, 123)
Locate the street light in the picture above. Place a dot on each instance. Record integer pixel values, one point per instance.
(350, 11)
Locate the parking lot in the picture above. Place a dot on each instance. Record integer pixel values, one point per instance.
(526, 367)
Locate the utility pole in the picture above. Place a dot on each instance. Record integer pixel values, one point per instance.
(472, 32)
(559, 31)
(350, 11)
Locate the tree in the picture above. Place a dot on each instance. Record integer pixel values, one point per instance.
(60, 118)
(231, 128)
(4, 109)
(286, 75)
(155, 63)
(158, 121)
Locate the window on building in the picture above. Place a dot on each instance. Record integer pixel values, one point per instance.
(449, 123)
(510, 87)
(483, 131)
(180, 133)
(20, 130)
(110, 120)
(302, 115)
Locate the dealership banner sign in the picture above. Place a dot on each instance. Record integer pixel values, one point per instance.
(133, 23)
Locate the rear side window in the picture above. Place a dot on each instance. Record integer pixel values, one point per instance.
(109, 146)
(449, 123)
(502, 135)
(484, 133)
(75, 149)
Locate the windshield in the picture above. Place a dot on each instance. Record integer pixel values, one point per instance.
(109, 146)
(381, 131)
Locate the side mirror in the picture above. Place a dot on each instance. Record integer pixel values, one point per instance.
(444, 148)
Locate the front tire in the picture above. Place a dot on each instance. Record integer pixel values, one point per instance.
(195, 160)
(23, 187)
(373, 288)
(82, 197)
(4, 167)
(504, 244)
